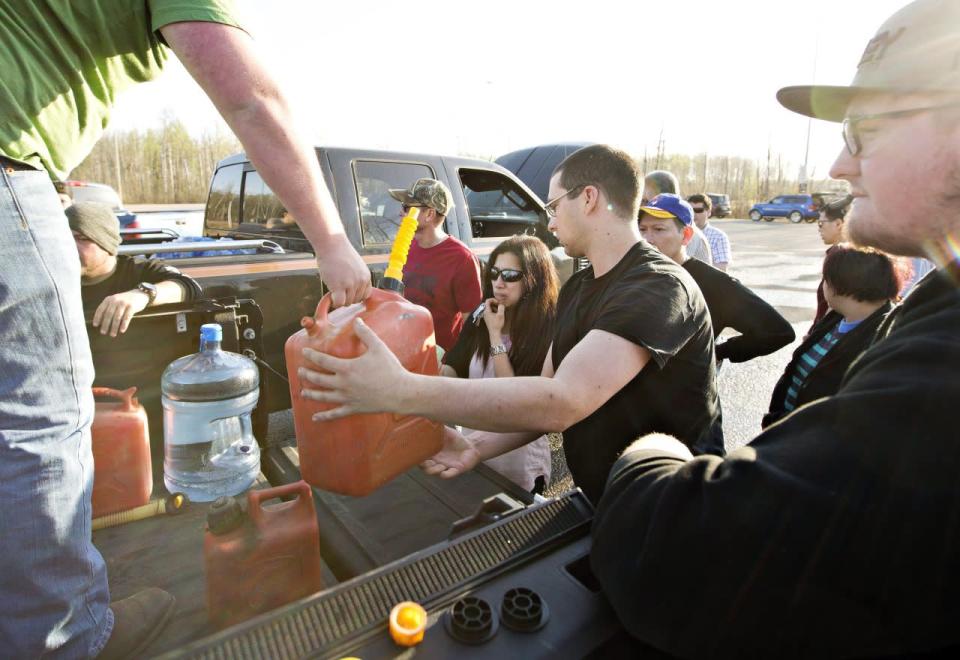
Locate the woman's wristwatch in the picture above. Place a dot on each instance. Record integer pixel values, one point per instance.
(499, 349)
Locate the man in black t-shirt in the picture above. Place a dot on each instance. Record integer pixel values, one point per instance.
(113, 287)
(632, 349)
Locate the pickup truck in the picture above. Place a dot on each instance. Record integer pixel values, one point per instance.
(491, 203)
(259, 300)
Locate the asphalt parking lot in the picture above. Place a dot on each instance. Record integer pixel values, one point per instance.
(781, 263)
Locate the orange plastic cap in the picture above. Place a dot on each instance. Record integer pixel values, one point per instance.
(408, 620)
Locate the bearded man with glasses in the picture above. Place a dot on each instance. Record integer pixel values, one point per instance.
(833, 533)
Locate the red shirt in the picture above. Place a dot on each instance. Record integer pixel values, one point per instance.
(446, 280)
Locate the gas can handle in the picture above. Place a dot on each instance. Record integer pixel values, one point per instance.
(126, 396)
(256, 496)
(377, 296)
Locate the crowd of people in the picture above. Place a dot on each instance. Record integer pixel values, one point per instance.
(829, 534)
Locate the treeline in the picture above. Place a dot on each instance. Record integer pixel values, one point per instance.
(167, 165)
(746, 181)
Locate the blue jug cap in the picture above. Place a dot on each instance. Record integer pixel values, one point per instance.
(211, 332)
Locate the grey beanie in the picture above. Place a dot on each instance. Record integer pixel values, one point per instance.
(97, 222)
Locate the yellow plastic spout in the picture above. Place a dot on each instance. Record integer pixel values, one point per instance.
(401, 245)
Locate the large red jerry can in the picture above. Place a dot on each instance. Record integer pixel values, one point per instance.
(262, 559)
(355, 455)
(122, 472)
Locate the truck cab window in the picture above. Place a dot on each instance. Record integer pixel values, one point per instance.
(497, 205)
(223, 202)
(380, 214)
(262, 210)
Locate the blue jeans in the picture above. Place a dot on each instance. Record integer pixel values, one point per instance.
(53, 583)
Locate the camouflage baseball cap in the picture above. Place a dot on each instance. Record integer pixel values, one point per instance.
(426, 192)
(915, 50)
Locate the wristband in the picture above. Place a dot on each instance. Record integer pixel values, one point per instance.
(499, 349)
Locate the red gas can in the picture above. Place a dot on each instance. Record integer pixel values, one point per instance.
(122, 473)
(357, 454)
(264, 558)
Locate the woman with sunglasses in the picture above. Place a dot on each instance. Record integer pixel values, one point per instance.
(509, 335)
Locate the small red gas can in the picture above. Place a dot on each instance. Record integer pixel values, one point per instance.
(122, 473)
(357, 454)
(264, 558)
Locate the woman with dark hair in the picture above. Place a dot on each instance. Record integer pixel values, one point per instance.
(859, 285)
(509, 335)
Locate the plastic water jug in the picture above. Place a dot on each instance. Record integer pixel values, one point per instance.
(209, 448)
(263, 558)
(357, 454)
(122, 472)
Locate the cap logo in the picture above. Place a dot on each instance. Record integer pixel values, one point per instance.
(877, 47)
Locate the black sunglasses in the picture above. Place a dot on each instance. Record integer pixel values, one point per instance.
(508, 274)
(698, 209)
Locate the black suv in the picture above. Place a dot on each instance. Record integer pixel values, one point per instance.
(721, 205)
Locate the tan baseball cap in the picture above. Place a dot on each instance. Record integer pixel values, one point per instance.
(915, 50)
(426, 192)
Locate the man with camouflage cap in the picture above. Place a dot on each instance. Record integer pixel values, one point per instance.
(833, 533)
(441, 273)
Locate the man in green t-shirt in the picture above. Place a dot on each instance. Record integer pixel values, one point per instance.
(63, 64)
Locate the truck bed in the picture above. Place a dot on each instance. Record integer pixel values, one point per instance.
(408, 514)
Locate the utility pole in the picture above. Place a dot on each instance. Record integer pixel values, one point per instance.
(806, 157)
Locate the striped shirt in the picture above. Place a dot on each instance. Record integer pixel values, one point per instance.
(811, 358)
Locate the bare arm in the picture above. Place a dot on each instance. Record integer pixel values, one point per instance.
(222, 60)
(597, 368)
(460, 454)
(114, 312)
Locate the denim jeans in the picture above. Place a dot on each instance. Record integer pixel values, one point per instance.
(53, 582)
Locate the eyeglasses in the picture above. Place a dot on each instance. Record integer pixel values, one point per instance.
(698, 209)
(508, 274)
(851, 125)
(406, 207)
(551, 206)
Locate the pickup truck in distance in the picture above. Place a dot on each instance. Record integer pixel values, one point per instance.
(491, 203)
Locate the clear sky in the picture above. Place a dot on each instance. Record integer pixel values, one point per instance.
(487, 78)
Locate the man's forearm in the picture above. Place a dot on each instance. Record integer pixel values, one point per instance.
(222, 60)
(287, 164)
(168, 292)
(488, 404)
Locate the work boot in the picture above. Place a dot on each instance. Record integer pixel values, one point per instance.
(137, 620)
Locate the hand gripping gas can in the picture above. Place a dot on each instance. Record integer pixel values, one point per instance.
(357, 454)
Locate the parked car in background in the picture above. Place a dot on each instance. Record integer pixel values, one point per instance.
(795, 208)
(84, 191)
(721, 205)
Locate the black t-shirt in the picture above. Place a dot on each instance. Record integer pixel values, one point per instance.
(732, 305)
(129, 273)
(650, 301)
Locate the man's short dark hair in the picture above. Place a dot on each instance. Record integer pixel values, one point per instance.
(862, 273)
(611, 170)
(837, 209)
(700, 198)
